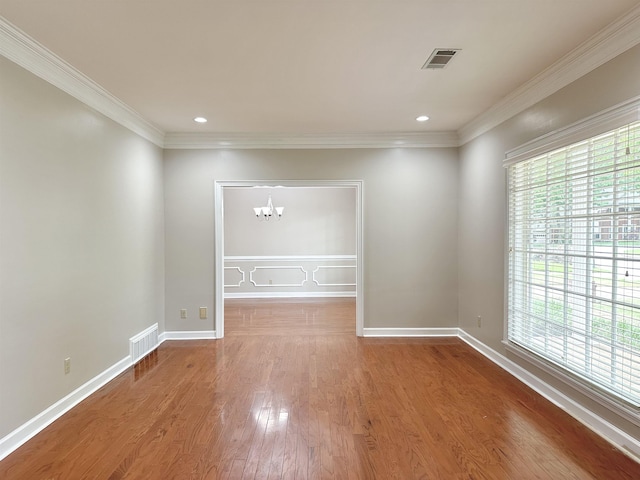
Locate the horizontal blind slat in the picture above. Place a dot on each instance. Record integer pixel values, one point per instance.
(574, 262)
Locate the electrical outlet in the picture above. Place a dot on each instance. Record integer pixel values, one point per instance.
(67, 365)
(479, 321)
(270, 282)
(183, 313)
(203, 313)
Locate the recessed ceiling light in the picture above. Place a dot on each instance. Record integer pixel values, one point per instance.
(200, 120)
(422, 118)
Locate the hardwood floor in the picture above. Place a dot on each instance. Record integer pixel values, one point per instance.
(302, 401)
(323, 316)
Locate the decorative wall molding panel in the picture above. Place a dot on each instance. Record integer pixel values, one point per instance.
(286, 258)
(233, 277)
(290, 294)
(295, 276)
(333, 275)
(278, 276)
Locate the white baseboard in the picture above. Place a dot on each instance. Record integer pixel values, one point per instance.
(187, 335)
(290, 295)
(620, 439)
(29, 429)
(38, 423)
(410, 332)
(611, 433)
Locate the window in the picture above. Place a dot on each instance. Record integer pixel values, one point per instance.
(574, 259)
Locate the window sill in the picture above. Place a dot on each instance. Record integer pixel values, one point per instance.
(614, 404)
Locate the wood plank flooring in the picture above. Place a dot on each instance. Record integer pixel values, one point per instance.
(302, 401)
(322, 316)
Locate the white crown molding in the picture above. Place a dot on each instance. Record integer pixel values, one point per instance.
(21, 49)
(310, 141)
(610, 42)
(605, 45)
(609, 119)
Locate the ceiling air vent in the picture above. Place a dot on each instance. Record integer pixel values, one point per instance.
(440, 58)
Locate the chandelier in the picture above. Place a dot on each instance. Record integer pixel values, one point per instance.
(269, 211)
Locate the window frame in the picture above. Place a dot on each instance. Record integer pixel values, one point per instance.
(600, 123)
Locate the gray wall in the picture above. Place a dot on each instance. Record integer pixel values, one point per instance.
(482, 207)
(84, 254)
(81, 243)
(316, 221)
(410, 226)
(295, 255)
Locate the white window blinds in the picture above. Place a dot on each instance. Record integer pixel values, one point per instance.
(574, 259)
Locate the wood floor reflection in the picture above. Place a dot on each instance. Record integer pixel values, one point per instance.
(308, 404)
(323, 316)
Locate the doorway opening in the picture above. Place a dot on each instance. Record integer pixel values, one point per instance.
(256, 281)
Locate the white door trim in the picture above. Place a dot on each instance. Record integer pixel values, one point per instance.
(219, 239)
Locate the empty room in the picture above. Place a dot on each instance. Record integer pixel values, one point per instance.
(320, 239)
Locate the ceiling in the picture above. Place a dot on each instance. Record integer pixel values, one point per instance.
(302, 67)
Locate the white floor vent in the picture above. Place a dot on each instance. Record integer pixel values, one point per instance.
(143, 343)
